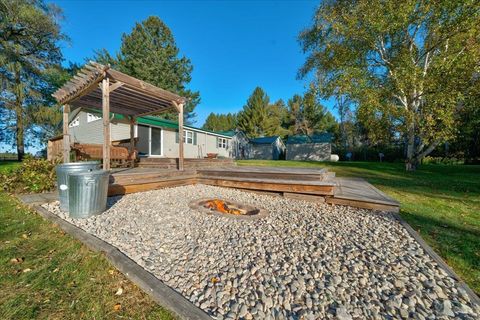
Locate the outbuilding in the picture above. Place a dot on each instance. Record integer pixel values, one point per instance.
(266, 148)
(317, 147)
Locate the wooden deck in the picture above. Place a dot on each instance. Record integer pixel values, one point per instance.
(359, 193)
(317, 185)
(123, 181)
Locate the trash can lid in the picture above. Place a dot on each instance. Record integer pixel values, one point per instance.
(89, 173)
(71, 164)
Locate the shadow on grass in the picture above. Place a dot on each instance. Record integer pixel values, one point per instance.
(458, 244)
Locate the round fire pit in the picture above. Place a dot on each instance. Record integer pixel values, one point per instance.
(227, 208)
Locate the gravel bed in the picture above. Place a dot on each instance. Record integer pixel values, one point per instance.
(303, 261)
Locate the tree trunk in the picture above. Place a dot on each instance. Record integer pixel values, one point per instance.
(19, 115)
(19, 133)
(411, 163)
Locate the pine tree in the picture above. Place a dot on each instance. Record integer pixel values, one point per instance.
(150, 53)
(277, 119)
(220, 122)
(252, 120)
(29, 37)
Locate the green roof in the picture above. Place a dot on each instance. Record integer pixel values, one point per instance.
(230, 133)
(316, 138)
(156, 121)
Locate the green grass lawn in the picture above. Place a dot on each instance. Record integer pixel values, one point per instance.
(8, 165)
(441, 202)
(53, 276)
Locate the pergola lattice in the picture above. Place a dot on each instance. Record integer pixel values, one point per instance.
(98, 86)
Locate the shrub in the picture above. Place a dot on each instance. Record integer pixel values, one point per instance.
(33, 175)
(441, 160)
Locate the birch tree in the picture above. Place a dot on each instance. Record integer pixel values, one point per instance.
(411, 61)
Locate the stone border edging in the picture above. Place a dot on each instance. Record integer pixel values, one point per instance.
(160, 292)
(473, 296)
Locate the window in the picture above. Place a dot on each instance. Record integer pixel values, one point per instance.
(75, 123)
(92, 117)
(222, 143)
(188, 137)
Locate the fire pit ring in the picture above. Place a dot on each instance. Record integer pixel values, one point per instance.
(251, 212)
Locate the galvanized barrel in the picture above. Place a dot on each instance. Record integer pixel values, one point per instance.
(62, 177)
(87, 192)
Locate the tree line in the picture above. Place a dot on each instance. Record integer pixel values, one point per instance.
(301, 115)
(404, 77)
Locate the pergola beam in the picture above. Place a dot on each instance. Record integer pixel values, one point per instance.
(144, 86)
(118, 93)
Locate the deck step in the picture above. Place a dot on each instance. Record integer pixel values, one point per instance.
(325, 187)
(131, 179)
(170, 163)
(281, 173)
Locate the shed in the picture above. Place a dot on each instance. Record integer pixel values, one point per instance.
(317, 147)
(266, 148)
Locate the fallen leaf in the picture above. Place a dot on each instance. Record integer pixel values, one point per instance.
(119, 291)
(17, 260)
(111, 271)
(27, 270)
(117, 307)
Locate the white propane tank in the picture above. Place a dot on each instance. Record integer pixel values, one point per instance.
(334, 157)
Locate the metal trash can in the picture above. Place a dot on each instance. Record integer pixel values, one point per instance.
(87, 192)
(62, 177)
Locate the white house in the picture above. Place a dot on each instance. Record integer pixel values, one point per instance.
(155, 137)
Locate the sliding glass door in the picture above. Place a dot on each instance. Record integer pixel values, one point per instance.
(149, 141)
(155, 141)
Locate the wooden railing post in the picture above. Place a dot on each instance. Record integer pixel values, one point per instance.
(180, 137)
(106, 123)
(132, 139)
(66, 136)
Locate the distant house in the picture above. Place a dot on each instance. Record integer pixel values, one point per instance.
(266, 148)
(239, 144)
(317, 147)
(155, 137)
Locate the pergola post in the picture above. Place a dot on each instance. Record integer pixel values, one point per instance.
(106, 123)
(132, 139)
(180, 137)
(66, 136)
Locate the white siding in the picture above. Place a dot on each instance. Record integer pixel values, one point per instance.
(87, 132)
(206, 143)
(92, 132)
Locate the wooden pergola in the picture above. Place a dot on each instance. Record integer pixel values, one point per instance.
(98, 86)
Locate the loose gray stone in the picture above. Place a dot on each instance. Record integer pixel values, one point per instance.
(299, 261)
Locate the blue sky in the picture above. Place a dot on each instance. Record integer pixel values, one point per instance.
(234, 46)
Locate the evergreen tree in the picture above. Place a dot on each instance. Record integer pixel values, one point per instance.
(29, 37)
(277, 118)
(253, 119)
(308, 116)
(150, 53)
(220, 122)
